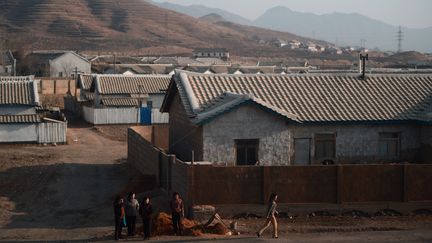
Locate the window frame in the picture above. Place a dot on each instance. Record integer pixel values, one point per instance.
(255, 146)
(317, 140)
(382, 139)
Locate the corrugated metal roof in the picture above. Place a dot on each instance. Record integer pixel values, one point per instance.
(19, 119)
(132, 84)
(120, 102)
(18, 91)
(314, 98)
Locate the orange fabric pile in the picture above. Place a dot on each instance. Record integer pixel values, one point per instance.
(162, 225)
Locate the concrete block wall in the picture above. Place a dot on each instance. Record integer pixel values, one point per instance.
(142, 154)
(359, 144)
(247, 122)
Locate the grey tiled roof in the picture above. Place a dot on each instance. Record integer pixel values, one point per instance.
(8, 119)
(18, 91)
(120, 102)
(132, 84)
(85, 81)
(311, 98)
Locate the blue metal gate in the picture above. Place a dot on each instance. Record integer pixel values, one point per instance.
(146, 115)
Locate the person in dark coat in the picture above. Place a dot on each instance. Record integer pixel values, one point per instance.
(146, 211)
(132, 207)
(119, 217)
(271, 217)
(177, 213)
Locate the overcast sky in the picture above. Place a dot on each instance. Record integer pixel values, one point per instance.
(409, 13)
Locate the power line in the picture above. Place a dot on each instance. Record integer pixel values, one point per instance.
(399, 39)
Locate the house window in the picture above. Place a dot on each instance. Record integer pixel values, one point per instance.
(247, 151)
(389, 144)
(325, 146)
(149, 104)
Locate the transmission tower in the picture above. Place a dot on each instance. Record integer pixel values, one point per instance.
(400, 38)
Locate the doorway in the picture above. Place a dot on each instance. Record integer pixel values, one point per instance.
(302, 151)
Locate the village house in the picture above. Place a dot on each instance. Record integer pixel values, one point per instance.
(123, 99)
(59, 63)
(300, 119)
(84, 83)
(221, 53)
(22, 118)
(7, 64)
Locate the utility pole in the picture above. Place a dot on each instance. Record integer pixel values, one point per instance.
(400, 37)
(76, 81)
(115, 61)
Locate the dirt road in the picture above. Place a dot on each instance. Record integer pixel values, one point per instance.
(63, 187)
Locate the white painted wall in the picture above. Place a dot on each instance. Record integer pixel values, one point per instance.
(18, 133)
(157, 100)
(120, 116)
(49, 132)
(110, 115)
(66, 64)
(159, 118)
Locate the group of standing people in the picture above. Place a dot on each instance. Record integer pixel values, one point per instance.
(126, 213)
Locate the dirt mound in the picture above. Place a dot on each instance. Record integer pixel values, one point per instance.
(162, 225)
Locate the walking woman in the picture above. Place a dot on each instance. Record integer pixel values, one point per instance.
(119, 217)
(132, 207)
(177, 213)
(271, 217)
(146, 211)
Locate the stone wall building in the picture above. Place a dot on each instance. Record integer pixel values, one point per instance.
(300, 119)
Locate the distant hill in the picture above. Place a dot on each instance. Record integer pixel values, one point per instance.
(198, 11)
(408, 56)
(126, 26)
(345, 29)
(212, 18)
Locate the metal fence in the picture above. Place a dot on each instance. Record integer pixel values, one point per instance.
(106, 116)
(50, 132)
